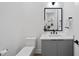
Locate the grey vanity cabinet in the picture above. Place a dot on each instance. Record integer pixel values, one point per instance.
(65, 47)
(57, 47)
(49, 48)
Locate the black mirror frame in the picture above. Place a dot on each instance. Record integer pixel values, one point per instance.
(61, 19)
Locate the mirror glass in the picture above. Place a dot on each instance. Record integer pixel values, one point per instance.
(53, 19)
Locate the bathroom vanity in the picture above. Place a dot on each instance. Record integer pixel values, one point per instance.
(53, 44)
(57, 46)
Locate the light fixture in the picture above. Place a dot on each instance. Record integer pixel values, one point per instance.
(53, 3)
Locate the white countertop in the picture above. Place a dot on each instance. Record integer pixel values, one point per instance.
(55, 37)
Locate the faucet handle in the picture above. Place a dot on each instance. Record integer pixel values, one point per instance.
(56, 32)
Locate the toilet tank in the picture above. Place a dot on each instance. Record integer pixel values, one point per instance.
(30, 41)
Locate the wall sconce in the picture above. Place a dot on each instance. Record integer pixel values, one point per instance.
(53, 3)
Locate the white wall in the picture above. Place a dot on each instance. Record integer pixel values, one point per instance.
(68, 11)
(17, 21)
(34, 21)
(11, 27)
(76, 28)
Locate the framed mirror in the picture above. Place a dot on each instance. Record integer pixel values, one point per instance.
(53, 19)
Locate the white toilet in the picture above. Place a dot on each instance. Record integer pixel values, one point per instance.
(29, 48)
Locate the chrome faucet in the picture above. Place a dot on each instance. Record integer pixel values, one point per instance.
(54, 32)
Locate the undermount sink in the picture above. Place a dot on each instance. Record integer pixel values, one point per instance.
(54, 35)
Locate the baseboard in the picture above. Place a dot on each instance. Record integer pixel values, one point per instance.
(38, 51)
